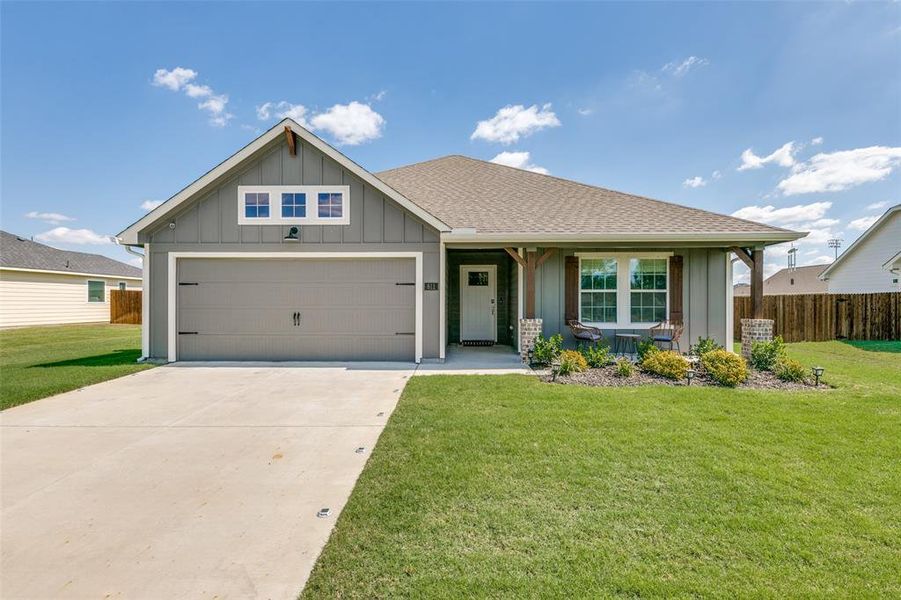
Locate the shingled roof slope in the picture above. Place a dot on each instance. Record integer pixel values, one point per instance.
(21, 253)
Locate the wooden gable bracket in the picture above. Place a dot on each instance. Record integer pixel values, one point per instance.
(530, 265)
(754, 259)
(292, 148)
(744, 255)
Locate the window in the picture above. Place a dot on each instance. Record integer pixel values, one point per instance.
(294, 205)
(647, 287)
(597, 290)
(478, 278)
(122, 285)
(96, 291)
(330, 205)
(256, 205)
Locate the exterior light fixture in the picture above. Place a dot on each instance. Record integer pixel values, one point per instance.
(171, 224)
(689, 375)
(293, 235)
(555, 369)
(817, 373)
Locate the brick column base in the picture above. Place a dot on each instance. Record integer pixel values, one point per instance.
(529, 329)
(754, 330)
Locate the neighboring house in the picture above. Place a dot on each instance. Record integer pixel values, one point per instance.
(871, 264)
(290, 250)
(798, 280)
(40, 285)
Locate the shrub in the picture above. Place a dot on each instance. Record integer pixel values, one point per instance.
(624, 367)
(645, 348)
(597, 356)
(726, 368)
(765, 355)
(571, 362)
(546, 350)
(788, 369)
(704, 346)
(667, 363)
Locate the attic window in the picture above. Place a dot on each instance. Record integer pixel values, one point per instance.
(256, 205)
(293, 204)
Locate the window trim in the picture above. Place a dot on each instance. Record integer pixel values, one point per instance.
(103, 283)
(623, 287)
(275, 204)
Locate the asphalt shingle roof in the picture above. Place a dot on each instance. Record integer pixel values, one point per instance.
(20, 253)
(469, 193)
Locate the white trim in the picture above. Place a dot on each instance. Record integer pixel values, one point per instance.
(623, 288)
(730, 307)
(519, 299)
(841, 257)
(103, 299)
(79, 274)
(726, 238)
(172, 281)
(464, 269)
(130, 235)
(312, 204)
(145, 304)
(442, 300)
(887, 266)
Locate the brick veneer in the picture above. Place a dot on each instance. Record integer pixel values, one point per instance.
(529, 329)
(754, 330)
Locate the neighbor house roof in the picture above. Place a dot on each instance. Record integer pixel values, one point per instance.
(485, 200)
(860, 241)
(23, 254)
(800, 280)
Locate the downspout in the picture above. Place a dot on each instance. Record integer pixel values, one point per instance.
(145, 293)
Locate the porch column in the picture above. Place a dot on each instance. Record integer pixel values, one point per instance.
(756, 328)
(529, 326)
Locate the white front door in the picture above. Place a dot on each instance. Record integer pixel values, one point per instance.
(478, 303)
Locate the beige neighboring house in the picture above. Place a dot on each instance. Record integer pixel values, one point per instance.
(873, 262)
(40, 285)
(800, 280)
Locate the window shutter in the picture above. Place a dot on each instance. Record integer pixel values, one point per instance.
(571, 289)
(675, 286)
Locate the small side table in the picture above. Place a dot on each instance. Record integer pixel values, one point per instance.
(625, 341)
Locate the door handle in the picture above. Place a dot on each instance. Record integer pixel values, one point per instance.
(295, 317)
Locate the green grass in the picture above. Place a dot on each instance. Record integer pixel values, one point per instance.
(503, 486)
(37, 362)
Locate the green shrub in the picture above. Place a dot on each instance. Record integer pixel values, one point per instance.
(667, 363)
(624, 367)
(765, 355)
(597, 355)
(726, 368)
(788, 369)
(546, 350)
(571, 362)
(645, 348)
(703, 346)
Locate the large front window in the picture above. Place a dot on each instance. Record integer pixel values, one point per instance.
(647, 290)
(598, 290)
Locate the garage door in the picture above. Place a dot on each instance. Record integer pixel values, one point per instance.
(296, 309)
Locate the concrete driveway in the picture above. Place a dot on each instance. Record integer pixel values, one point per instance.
(186, 481)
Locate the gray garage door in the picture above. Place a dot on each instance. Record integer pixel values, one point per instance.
(296, 309)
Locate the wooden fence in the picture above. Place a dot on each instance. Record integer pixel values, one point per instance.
(822, 317)
(125, 307)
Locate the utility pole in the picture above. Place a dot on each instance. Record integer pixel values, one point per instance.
(835, 244)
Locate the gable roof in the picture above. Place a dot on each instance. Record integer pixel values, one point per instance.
(23, 254)
(491, 201)
(800, 280)
(860, 241)
(130, 234)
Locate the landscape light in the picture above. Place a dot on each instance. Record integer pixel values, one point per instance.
(817, 373)
(690, 374)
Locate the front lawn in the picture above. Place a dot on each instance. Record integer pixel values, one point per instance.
(37, 362)
(504, 486)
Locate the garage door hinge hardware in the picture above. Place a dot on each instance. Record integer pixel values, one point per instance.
(403, 283)
(188, 283)
(404, 333)
(187, 333)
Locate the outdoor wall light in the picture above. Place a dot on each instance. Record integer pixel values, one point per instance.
(689, 375)
(817, 373)
(293, 235)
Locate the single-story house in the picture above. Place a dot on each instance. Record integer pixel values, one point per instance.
(288, 250)
(40, 285)
(791, 280)
(873, 262)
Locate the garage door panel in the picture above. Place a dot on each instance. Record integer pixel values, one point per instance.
(267, 347)
(344, 321)
(268, 270)
(293, 296)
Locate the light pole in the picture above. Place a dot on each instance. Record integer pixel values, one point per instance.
(835, 244)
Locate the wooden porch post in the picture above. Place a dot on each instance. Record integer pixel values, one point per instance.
(757, 284)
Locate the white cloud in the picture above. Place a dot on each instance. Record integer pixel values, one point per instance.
(695, 182)
(180, 79)
(680, 69)
(378, 96)
(48, 217)
(350, 124)
(783, 156)
(716, 175)
(514, 122)
(784, 216)
(518, 160)
(150, 204)
(283, 110)
(585, 111)
(64, 235)
(816, 141)
(863, 223)
(136, 262)
(836, 171)
(822, 259)
(877, 205)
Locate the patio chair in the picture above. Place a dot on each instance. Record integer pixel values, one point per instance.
(667, 332)
(584, 332)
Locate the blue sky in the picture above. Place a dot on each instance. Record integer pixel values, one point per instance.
(788, 113)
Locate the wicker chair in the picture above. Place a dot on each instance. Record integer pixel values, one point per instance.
(585, 333)
(667, 332)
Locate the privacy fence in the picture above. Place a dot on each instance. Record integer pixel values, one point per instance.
(125, 307)
(822, 317)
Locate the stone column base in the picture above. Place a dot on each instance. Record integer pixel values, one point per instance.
(755, 330)
(529, 329)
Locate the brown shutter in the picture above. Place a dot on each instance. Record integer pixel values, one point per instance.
(571, 289)
(675, 287)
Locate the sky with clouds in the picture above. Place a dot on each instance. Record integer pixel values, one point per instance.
(788, 113)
